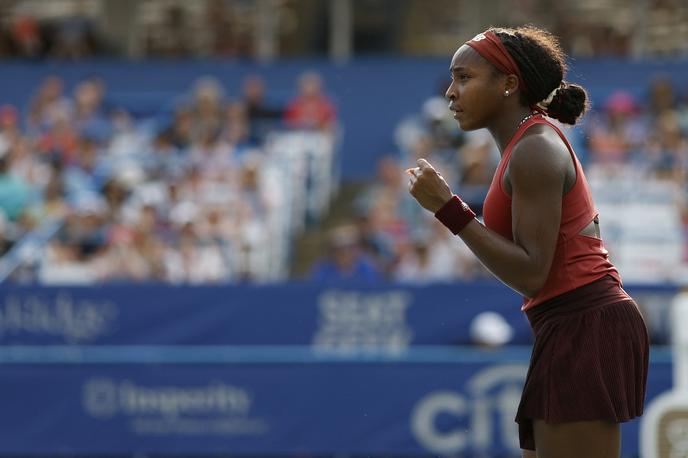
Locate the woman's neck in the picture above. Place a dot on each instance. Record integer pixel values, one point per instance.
(504, 128)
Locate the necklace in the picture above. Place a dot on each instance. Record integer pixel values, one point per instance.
(525, 119)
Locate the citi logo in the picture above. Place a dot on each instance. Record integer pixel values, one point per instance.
(487, 405)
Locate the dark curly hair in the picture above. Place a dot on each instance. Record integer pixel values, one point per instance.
(543, 66)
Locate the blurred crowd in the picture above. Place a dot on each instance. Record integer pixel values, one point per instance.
(189, 197)
(392, 236)
(178, 200)
(70, 36)
(75, 30)
(71, 29)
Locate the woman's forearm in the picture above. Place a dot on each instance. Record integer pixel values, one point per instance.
(508, 261)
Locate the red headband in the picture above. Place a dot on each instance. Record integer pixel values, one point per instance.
(493, 50)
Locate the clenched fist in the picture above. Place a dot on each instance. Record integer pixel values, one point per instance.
(428, 187)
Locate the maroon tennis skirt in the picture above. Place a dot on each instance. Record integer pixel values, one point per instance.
(589, 361)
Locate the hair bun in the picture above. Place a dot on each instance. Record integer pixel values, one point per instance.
(569, 103)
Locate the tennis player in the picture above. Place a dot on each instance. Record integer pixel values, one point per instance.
(541, 237)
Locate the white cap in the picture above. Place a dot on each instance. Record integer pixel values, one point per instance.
(490, 328)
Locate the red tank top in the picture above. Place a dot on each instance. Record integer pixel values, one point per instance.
(578, 259)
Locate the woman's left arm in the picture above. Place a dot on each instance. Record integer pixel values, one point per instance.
(537, 174)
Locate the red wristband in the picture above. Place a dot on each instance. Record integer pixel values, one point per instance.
(455, 214)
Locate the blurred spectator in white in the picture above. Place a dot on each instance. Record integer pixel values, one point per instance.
(163, 160)
(434, 255)
(211, 156)
(207, 106)
(24, 164)
(417, 264)
(72, 255)
(47, 104)
(253, 191)
(135, 256)
(311, 109)
(125, 140)
(115, 194)
(345, 260)
(390, 215)
(237, 128)
(254, 206)
(195, 262)
(439, 121)
(83, 175)
(216, 225)
(389, 184)
(477, 164)
(62, 264)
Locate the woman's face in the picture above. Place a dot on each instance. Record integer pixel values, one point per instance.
(476, 91)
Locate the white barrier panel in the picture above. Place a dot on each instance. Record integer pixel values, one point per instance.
(664, 428)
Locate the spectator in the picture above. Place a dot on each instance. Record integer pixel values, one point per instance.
(47, 104)
(90, 116)
(207, 106)
(26, 36)
(195, 262)
(345, 262)
(311, 109)
(180, 132)
(9, 127)
(476, 170)
(666, 152)
(262, 116)
(15, 192)
(59, 141)
(237, 129)
(618, 132)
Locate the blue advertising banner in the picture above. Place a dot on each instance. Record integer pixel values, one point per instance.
(327, 316)
(293, 314)
(433, 401)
